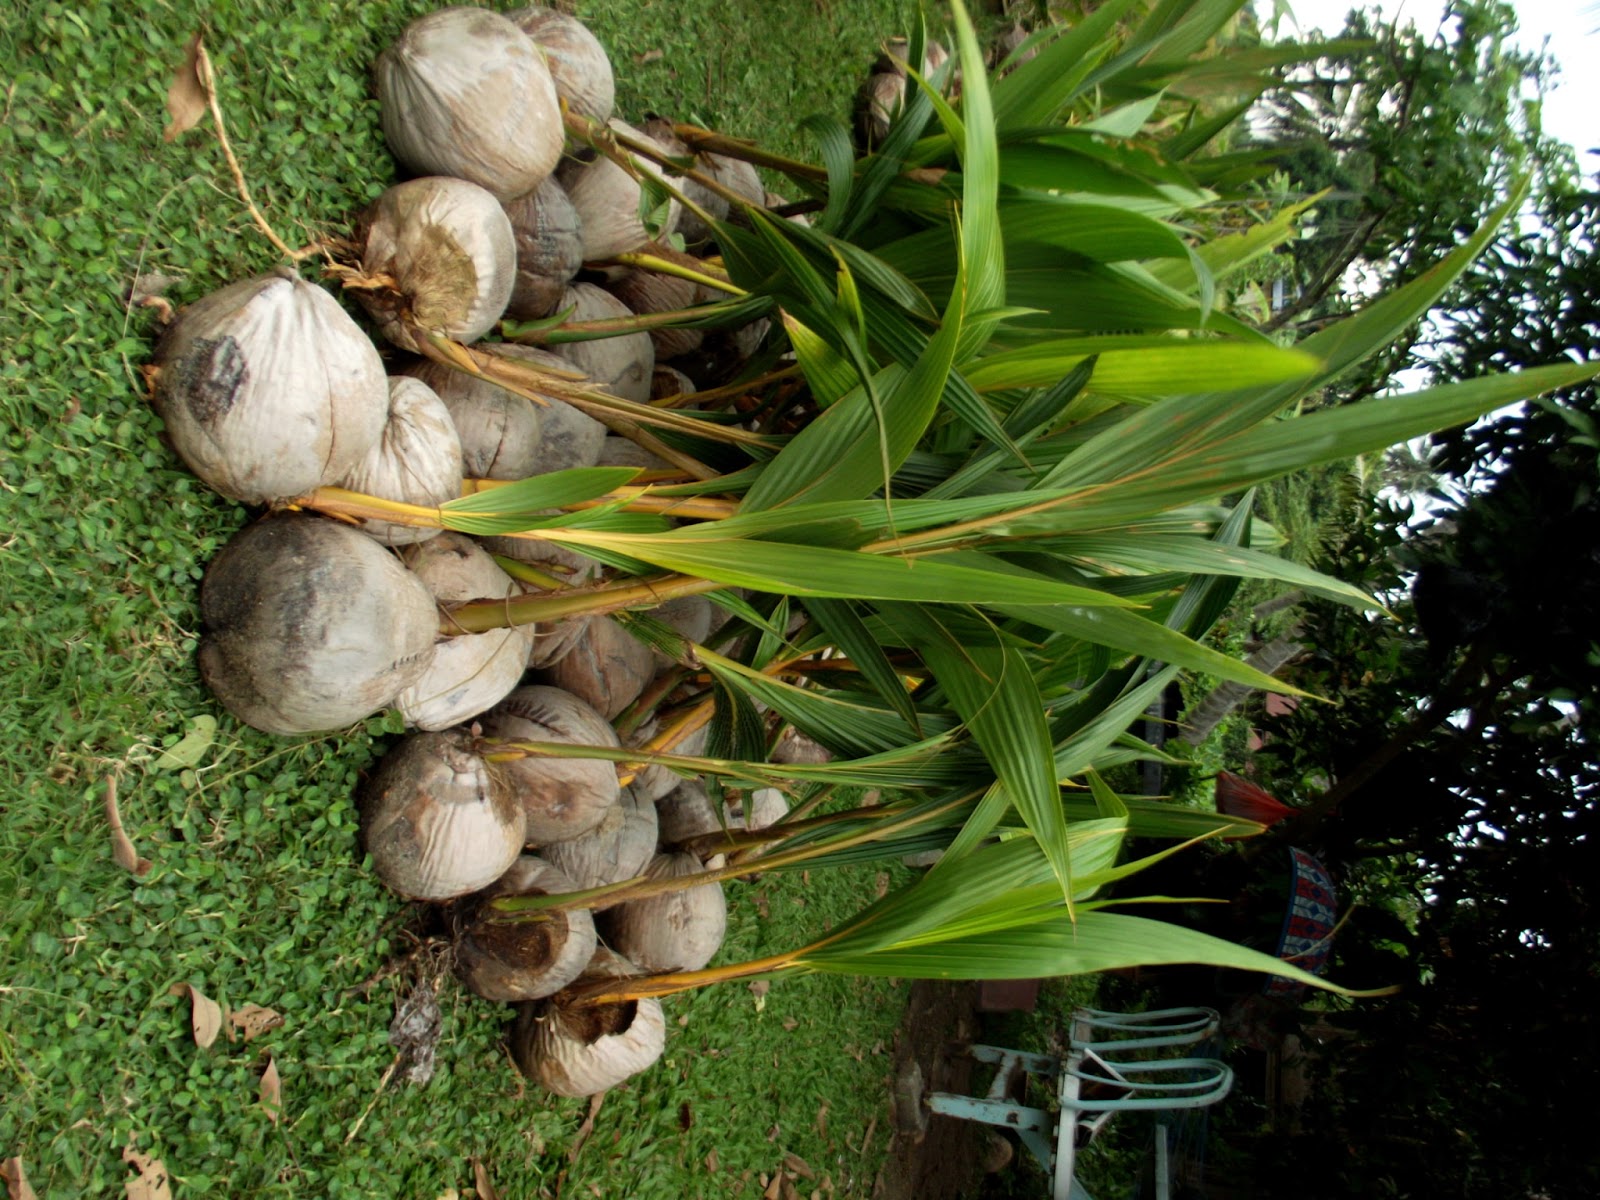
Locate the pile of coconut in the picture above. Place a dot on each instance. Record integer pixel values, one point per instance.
(271, 389)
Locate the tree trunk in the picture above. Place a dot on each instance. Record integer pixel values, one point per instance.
(1225, 697)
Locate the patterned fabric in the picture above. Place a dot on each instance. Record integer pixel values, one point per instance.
(1307, 924)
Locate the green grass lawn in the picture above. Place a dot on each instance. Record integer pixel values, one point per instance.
(256, 893)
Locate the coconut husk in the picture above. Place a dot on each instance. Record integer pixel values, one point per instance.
(563, 798)
(448, 247)
(416, 461)
(571, 438)
(311, 625)
(513, 961)
(580, 1050)
(616, 849)
(686, 813)
(649, 292)
(437, 820)
(676, 931)
(470, 672)
(499, 431)
(607, 200)
(465, 93)
(268, 389)
(621, 365)
(549, 250)
(578, 62)
(654, 782)
(607, 668)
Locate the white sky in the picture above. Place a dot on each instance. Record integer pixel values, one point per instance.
(1572, 107)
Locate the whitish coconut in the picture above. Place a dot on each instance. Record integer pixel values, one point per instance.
(607, 200)
(470, 672)
(499, 430)
(269, 389)
(416, 461)
(577, 61)
(676, 931)
(448, 247)
(437, 819)
(686, 813)
(563, 798)
(616, 849)
(575, 1049)
(551, 640)
(623, 364)
(466, 93)
(311, 625)
(571, 438)
(736, 176)
(760, 809)
(514, 960)
(624, 452)
(549, 250)
(669, 381)
(607, 668)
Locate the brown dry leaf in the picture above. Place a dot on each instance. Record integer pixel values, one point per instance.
(713, 1163)
(122, 850)
(152, 1182)
(253, 1020)
(272, 1090)
(881, 884)
(482, 1183)
(762, 907)
(685, 1117)
(205, 1014)
(774, 1190)
(872, 1128)
(759, 989)
(16, 1179)
(587, 1128)
(649, 56)
(772, 1134)
(190, 94)
(822, 1120)
(790, 1024)
(798, 1166)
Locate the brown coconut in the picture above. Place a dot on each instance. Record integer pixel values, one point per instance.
(656, 781)
(575, 1049)
(438, 820)
(499, 430)
(616, 849)
(516, 960)
(549, 250)
(607, 668)
(563, 798)
(686, 813)
(311, 625)
(675, 931)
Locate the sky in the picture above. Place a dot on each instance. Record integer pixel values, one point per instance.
(1572, 107)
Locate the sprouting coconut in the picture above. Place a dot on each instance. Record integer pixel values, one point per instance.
(616, 849)
(578, 62)
(563, 798)
(447, 250)
(530, 957)
(311, 625)
(607, 668)
(656, 781)
(438, 820)
(686, 813)
(622, 364)
(607, 200)
(416, 461)
(464, 92)
(549, 249)
(575, 1049)
(470, 672)
(268, 389)
(675, 931)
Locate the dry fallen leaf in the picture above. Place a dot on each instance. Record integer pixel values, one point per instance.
(713, 1164)
(881, 885)
(481, 1182)
(122, 850)
(759, 989)
(822, 1120)
(797, 1165)
(762, 908)
(272, 1090)
(253, 1020)
(16, 1179)
(152, 1181)
(205, 1014)
(190, 94)
(790, 1024)
(649, 56)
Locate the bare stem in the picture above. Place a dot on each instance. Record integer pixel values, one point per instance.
(705, 141)
(663, 266)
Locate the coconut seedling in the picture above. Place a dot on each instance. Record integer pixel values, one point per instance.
(438, 820)
(607, 198)
(562, 798)
(268, 389)
(606, 668)
(438, 256)
(674, 931)
(464, 92)
(622, 364)
(513, 961)
(499, 431)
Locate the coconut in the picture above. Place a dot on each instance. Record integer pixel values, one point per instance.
(795, 747)
(466, 93)
(448, 247)
(470, 672)
(654, 782)
(606, 669)
(515, 960)
(878, 104)
(760, 809)
(675, 931)
(311, 625)
(625, 452)
(621, 365)
(775, 201)
(616, 849)
(651, 292)
(549, 249)
(269, 389)
(607, 200)
(437, 819)
(575, 1049)
(686, 813)
(690, 616)
(571, 438)
(577, 61)
(551, 640)
(669, 381)
(416, 461)
(563, 798)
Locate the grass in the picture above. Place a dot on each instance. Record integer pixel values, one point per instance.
(257, 893)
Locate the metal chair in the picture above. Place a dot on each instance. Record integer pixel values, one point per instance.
(1096, 1080)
